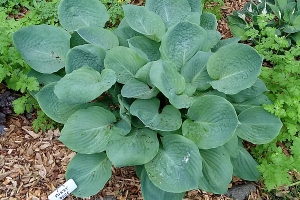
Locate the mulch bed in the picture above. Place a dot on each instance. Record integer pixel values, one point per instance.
(32, 165)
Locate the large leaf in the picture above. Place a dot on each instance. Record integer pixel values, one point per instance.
(177, 167)
(43, 47)
(76, 40)
(234, 67)
(73, 14)
(244, 166)
(72, 88)
(88, 130)
(170, 11)
(143, 74)
(195, 5)
(125, 123)
(145, 47)
(217, 170)
(258, 126)
(89, 172)
(208, 21)
(138, 89)
(86, 54)
(224, 42)
(164, 76)
(138, 148)
(98, 36)
(151, 192)
(125, 32)
(214, 37)
(255, 90)
(53, 107)
(125, 62)
(232, 147)
(44, 79)
(182, 41)
(194, 71)
(169, 119)
(144, 21)
(255, 101)
(212, 122)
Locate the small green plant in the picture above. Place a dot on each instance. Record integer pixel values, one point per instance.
(115, 11)
(286, 20)
(162, 93)
(213, 6)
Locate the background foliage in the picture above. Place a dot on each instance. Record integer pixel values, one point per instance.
(274, 32)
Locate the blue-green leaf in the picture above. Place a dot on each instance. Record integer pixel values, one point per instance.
(138, 147)
(151, 192)
(177, 167)
(73, 14)
(99, 37)
(244, 166)
(224, 42)
(217, 170)
(144, 21)
(208, 21)
(255, 90)
(53, 107)
(137, 89)
(85, 55)
(43, 47)
(194, 71)
(195, 5)
(232, 147)
(253, 102)
(169, 119)
(166, 78)
(258, 126)
(235, 71)
(89, 172)
(125, 62)
(88, 130)
(125, 32)
(146, 48)
(72, 88)
(211, 122)
(170, 11)
(182, 41)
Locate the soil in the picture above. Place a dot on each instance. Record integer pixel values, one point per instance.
(32, 165)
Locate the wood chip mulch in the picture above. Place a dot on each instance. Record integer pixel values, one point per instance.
(32, 165)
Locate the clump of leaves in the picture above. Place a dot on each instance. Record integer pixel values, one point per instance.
(162, 93)
(286, 20)
(6, 100)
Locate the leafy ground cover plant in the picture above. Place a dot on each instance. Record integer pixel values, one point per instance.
(282, 155)
(161, 92)
(280, 49)
(213, 6)
(285, 19)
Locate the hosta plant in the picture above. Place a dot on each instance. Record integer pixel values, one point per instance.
(162, 93)
(284, 16)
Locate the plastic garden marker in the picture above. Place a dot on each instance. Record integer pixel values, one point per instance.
(63, 191)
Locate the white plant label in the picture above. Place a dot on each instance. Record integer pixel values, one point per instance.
(63, 191)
